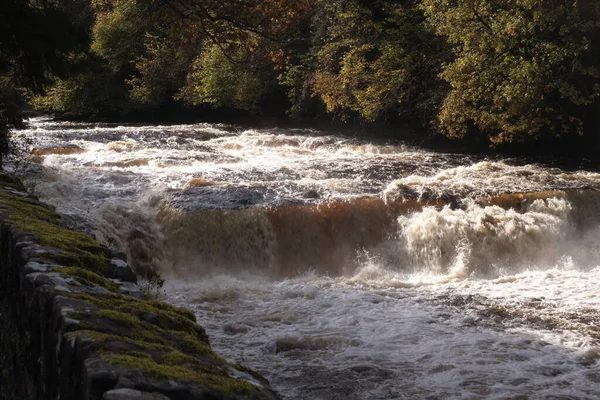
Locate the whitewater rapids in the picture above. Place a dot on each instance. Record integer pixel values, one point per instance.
(347, 268)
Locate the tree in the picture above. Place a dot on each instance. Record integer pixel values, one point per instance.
(36, 38)
(522, 68)
(376, 59)
(156, 51)
(217, 80)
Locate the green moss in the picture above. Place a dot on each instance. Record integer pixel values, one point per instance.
(107, 302)
(120, 301)
(103, 339)
(139, 355)
(87, 278)
(177, 310)
(45, 224)
(165, 319)
(213, 378)
(94, 335)
(151, 322)
(120, 316)
(13, 202)
(175, 357)
(148, 335)
(191, 344)
(242, 368)
(164, 315)
(163, 341)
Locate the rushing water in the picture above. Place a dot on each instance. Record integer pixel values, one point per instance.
(345, 268)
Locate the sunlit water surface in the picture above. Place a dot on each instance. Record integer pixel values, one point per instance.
(346, 268)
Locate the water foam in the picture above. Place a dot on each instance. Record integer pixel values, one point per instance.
(495, 237)
(324, 339)
(488, 178)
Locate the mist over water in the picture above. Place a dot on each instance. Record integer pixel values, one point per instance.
(346, 268)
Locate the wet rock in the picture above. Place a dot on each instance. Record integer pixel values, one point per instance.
(312, 194)
(129, 289)
(235, 328)
(119, 269)
(63, 150)
(33, 266)
(78, 223)
(99, 290)
(223, 198)
(118, 255)
(56, 280)
(102, 380)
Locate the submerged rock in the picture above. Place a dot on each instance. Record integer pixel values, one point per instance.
(62, 150)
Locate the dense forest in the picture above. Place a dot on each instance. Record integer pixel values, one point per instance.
(501, 71)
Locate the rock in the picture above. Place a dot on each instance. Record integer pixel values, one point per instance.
(131, 394)
(312, 194)
(64, 150)
(129, 289)
(102, 380)
(99, 290)
(119, 269)
(33, 266)
(118, 254)
(56, 280)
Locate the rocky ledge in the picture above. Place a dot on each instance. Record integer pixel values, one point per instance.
(74, 324)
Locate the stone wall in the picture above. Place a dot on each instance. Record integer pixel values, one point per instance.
(74, 324)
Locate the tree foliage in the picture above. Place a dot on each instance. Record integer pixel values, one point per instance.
(217, 80)
(376, 58)
(510, 70)
(523, 67)
(36, 38)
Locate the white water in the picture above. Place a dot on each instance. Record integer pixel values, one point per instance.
(347, 269)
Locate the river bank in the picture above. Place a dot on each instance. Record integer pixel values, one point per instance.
(75, 325)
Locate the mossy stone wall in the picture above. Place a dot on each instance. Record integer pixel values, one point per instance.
(74, 325)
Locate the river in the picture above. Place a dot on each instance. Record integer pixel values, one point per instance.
(347, 268)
